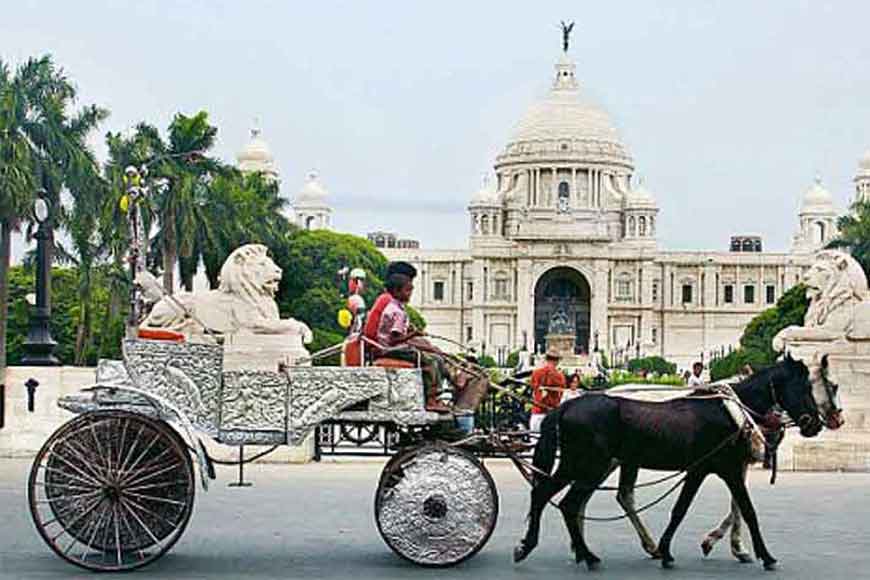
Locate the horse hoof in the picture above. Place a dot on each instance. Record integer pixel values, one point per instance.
(706, 547)
(593, 565)
(655, 554)
(771, 565)
(520, 553)
(667, 563)
(744, 557)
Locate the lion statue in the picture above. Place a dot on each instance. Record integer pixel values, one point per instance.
(243, 303)
(837, 287)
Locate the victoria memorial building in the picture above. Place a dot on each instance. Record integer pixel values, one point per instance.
(562, 243)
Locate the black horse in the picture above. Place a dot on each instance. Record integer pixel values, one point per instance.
(595, 430)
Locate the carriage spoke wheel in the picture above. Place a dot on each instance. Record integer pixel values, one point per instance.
(436, 505)
(111, 490)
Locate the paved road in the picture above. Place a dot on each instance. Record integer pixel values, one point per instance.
(315, 521)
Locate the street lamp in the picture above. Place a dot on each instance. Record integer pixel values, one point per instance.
(39, 345)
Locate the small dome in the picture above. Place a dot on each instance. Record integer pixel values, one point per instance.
(864, 163)
(313, 191)
(256, 155)
(487, 195)
(639, 197)
(817, 198)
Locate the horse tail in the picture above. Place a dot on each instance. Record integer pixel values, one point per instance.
(548, 444)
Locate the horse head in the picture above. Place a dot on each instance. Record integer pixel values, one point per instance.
(792, 389)
(826, 394)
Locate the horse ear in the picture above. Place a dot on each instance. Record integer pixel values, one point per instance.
(825, 362)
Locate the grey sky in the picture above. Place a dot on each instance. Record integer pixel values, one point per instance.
(729, 108)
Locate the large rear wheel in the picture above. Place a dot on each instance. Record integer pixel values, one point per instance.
(436, 505)
(112, 490)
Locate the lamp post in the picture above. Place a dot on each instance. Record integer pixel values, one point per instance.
(39, 345)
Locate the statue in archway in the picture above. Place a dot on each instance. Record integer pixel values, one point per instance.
(560, 322)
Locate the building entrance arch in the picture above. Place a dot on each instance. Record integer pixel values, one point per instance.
(563, 294)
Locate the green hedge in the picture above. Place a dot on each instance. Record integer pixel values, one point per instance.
(652, 364)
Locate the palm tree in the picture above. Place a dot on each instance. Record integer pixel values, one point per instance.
(32, 101)
(854, 236)
(181, 205)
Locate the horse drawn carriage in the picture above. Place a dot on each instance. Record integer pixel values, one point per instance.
(113, 488)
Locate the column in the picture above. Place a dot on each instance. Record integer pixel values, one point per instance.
(537, 199)
(554, 188)
(529, 186)
(575, 191)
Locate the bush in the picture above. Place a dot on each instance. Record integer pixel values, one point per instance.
(652, 364)
(487, 362)
(627, 378)
(513, 359)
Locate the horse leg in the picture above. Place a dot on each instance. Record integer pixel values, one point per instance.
(573, 507)
(546, 488)
(719, 531)
(737, 486)
(737, 548)
(625, 497)
(687, 494)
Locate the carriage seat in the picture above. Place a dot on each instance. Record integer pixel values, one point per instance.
(393, 363)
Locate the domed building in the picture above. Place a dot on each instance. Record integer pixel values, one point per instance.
(311, 205)
(563, 252)
(256, 156)
(817, 219)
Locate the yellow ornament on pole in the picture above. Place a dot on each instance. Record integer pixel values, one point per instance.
(344, 318)
(124, 203)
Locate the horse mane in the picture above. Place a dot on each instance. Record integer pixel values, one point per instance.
(762, 380)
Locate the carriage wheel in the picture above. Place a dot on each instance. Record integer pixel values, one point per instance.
(359, 433)
(436, 505)
(112, 490)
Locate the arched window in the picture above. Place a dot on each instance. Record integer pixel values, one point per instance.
(747, 245)
(309, 222)
(652, 226)
(632, 227)
(818, 232)
(484, 225)
(641, 226)
(564, 196)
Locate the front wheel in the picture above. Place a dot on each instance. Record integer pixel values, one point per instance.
(436, 505)
(112, 490)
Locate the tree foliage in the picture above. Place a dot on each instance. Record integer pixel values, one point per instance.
(756, 342)
(854, 234)
(652, 364)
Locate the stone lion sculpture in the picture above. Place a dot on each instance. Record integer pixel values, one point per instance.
(837, 287)
(244, 303)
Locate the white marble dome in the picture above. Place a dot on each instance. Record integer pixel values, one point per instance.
(639, 197)
(817, 198)
(256, 156)
(313, 192)
(487, 195)
(566, 124)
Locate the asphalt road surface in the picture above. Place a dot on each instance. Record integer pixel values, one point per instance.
(316, 521)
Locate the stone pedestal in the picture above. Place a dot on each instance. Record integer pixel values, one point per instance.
(564, 345)
(848, 448)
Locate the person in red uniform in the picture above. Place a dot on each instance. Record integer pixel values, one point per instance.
(548, 383)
